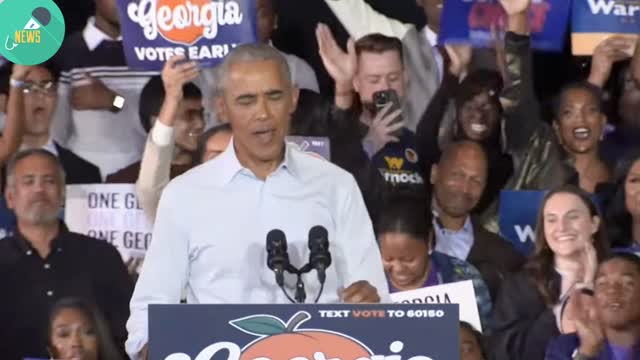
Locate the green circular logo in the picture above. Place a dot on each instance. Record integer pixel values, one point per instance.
(31, 31)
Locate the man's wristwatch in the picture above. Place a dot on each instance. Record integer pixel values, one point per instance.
(118, 103)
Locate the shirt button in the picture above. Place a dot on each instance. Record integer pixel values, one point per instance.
(47, 266)
(49, 293)
(29, 252)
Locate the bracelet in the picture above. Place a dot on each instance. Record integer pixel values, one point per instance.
(16, 83)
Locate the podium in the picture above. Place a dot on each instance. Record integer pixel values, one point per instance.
(304, 332)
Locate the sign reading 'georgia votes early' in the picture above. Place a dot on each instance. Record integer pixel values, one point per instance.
(202, 30)
(304, 332)
(471, 21)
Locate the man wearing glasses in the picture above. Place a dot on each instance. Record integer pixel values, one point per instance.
(39, 96)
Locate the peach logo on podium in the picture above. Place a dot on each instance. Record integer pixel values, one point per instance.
(278, 340)
(184, 21)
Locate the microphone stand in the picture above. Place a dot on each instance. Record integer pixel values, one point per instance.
(300, 293)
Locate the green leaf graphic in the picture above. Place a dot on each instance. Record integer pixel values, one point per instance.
(260, 325)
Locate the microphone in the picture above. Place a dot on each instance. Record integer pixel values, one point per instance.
(39, 17)
(319, 257)
(277, 257)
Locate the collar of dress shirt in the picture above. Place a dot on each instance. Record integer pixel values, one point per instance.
(432, 37)
(58, 242)
(466, 228)
(94, 36)
(50, 146)
(231, 165)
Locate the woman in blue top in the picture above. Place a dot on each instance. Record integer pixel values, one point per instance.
(406, 237)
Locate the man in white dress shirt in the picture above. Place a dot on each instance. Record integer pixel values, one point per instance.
(210, 231)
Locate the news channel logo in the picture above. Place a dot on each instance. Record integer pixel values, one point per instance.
(31, 31)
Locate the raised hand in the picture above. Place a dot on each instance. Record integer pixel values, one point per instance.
(20, 72)
(383, 127)
(93, 94)
(460, 58)
(609, 51)
(590, 333)
(514, 7)
(340, 65)
(175, 75)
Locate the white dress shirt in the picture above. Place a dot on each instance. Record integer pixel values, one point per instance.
(454, 243)
(432, 39)
(210, 234)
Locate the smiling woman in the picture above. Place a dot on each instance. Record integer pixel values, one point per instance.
(547, 297)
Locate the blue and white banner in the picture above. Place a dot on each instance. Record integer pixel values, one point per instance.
(202, 30)
(518, 216)
(471, 21)
(595, 20)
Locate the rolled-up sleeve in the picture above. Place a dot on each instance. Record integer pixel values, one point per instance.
(160, 283)
(361, 259)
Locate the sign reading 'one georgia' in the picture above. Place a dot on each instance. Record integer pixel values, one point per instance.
(304, 332)
(202, 30)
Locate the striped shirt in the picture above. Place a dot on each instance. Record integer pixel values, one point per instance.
(110, 140)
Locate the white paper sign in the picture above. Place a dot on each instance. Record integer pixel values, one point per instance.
(461, 293)
(110, 212)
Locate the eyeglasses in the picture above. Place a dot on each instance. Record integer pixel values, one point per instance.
(47, 88)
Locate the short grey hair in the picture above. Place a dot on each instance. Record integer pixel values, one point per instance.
(248, 53)
(11, 165)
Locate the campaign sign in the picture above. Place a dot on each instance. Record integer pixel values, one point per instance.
(595, 20)
(518, 216)
(471, 21)
(461, 293)
(315, 145)
(7, 219)
(110, 212)
(202, 30)
(304, 332)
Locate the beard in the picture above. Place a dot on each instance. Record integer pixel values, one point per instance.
(40, 213)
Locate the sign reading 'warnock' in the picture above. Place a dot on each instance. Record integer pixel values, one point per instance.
(202, 30)
(304, 332)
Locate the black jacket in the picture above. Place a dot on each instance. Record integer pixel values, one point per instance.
(523, 323)
(77, 169)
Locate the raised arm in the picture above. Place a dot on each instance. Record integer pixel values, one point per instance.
(429, 126)
(521, 108)
(12, 136)
(155, 168)
(608, 52)
(360, 19)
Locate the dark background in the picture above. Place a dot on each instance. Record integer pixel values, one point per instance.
(296, 35)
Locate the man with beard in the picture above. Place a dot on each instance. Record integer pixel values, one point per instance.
(44, 262)
(459, 180)
(611, 329)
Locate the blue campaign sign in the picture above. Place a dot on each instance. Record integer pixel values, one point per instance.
(471, 21)
(304, 332)
(202, 30)
(518, 215)
(7, 219)
(592, 21)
